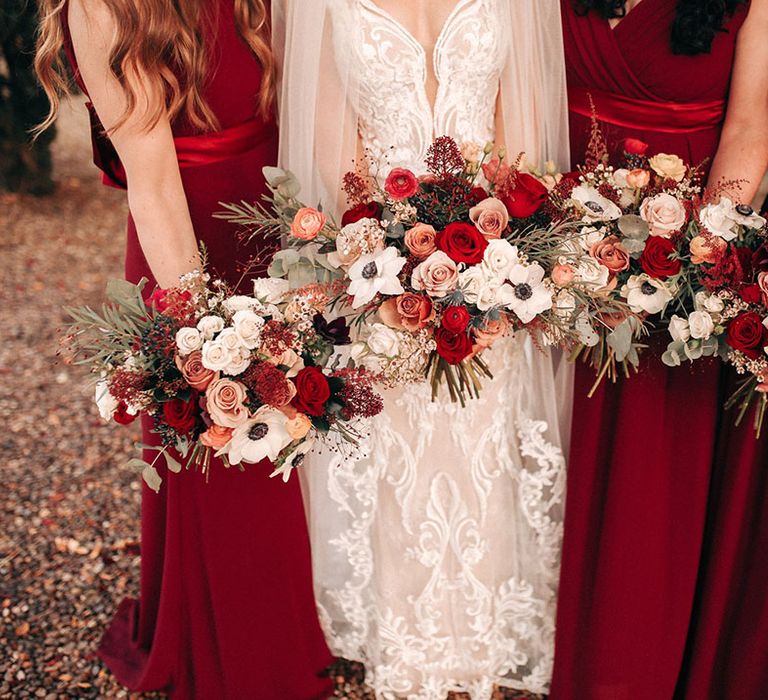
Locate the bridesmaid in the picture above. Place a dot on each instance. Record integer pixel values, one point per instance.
(185, 91)
(644, 492)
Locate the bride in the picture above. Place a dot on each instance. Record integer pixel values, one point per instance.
(436, 552)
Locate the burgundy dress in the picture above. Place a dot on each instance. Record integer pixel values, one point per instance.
(648, 510)
(226, 609)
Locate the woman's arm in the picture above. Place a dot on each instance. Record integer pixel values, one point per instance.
(743, 150)
(155, 193)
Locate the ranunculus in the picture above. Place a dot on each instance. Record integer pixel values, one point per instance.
(491, 331)
(563, 274)
(635, 147)
(664, 214)
(707, 249)
(638, 178)
(462, 243)
(410, 311)
(452, 347)
(307, 223)
(490, 217)
(188, 340)
(747, 333)
(216, 436)
(668, 166)
(657, 258)
(181, 415)
(312, 391)
(611, 253)
(123, 414)
(420, 240)
(401, 183)
(364, 210)
(526, 196)
(455, 319)
(196, 374)
(225, 403)
(438, 275)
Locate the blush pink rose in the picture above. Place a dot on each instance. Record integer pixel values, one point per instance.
(664, 215)
(762, 282)
(563, 274)
(197, 376)
(225, 403)
(611, 253)
(409, 311)
(420, 240)
(307, 223)
(490, 217)
(638, 178)
(438, 275)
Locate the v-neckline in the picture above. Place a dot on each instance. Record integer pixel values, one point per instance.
(627, 17)
(386, 14)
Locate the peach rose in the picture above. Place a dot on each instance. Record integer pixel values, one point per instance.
(225, 403)
(307, 223)
(562, 275)
(409, 311)
(491, 332)
(216, 436)
(611, 253)
(706, 249)
(298, 426)
(438, 275)
(668, 166)
(663, 214)
(420, 240)
(490, 217)
(197, 376)
(638, 178)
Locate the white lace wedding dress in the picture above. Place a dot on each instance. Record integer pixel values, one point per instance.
(436, 555)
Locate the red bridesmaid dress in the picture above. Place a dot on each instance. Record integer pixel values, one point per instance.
(226, 608)
(648, 508)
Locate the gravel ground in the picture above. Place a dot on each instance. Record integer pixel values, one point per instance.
(69, 549)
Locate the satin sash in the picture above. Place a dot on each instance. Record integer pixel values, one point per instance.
(646, 115)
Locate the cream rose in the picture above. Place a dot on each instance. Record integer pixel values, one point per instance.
(420, 240)
(490, 217)
(248, 325)
(499, 258)
(307, 223)
(209, 326)
(225, 403)
(188, 340)
(383, 340)
(215, 355)
(664, 214)
(438, 275)
(701, 324)
(668, 166)
(679, 329)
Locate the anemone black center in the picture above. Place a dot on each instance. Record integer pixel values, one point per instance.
(297, 461)
(370, 271)
(648, 289)
(258, 431)
(594, 207)
(745, 209)
(523, 291)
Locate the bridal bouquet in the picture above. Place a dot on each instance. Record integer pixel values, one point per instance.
(238, 377)
(432, 270)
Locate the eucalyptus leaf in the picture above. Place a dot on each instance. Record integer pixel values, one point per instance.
(173, 464)
(693, 350)
(671, 358)
(634, 227)
(620, 339)
(152, 478)
(136, 465)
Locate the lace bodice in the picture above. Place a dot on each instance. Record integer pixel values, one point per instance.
(396, 121)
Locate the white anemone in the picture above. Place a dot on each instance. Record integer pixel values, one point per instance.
(527, 295)
(263, 436)
(375, 273)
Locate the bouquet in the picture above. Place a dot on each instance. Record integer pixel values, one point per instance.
(238, 377)
(432, 271)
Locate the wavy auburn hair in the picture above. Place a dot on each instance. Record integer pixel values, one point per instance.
(162, 40)
(694, 28)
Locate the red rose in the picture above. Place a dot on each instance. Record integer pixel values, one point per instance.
(312, 391)
(526, 196)
(181, 415)
(477, 195)
(752, 294)
(748, 334)
(656, 259)
(122, 416)
(364, 210)
(401, 184)
(635, 147)
(452, 347)
(462, 242)
(456, 319)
